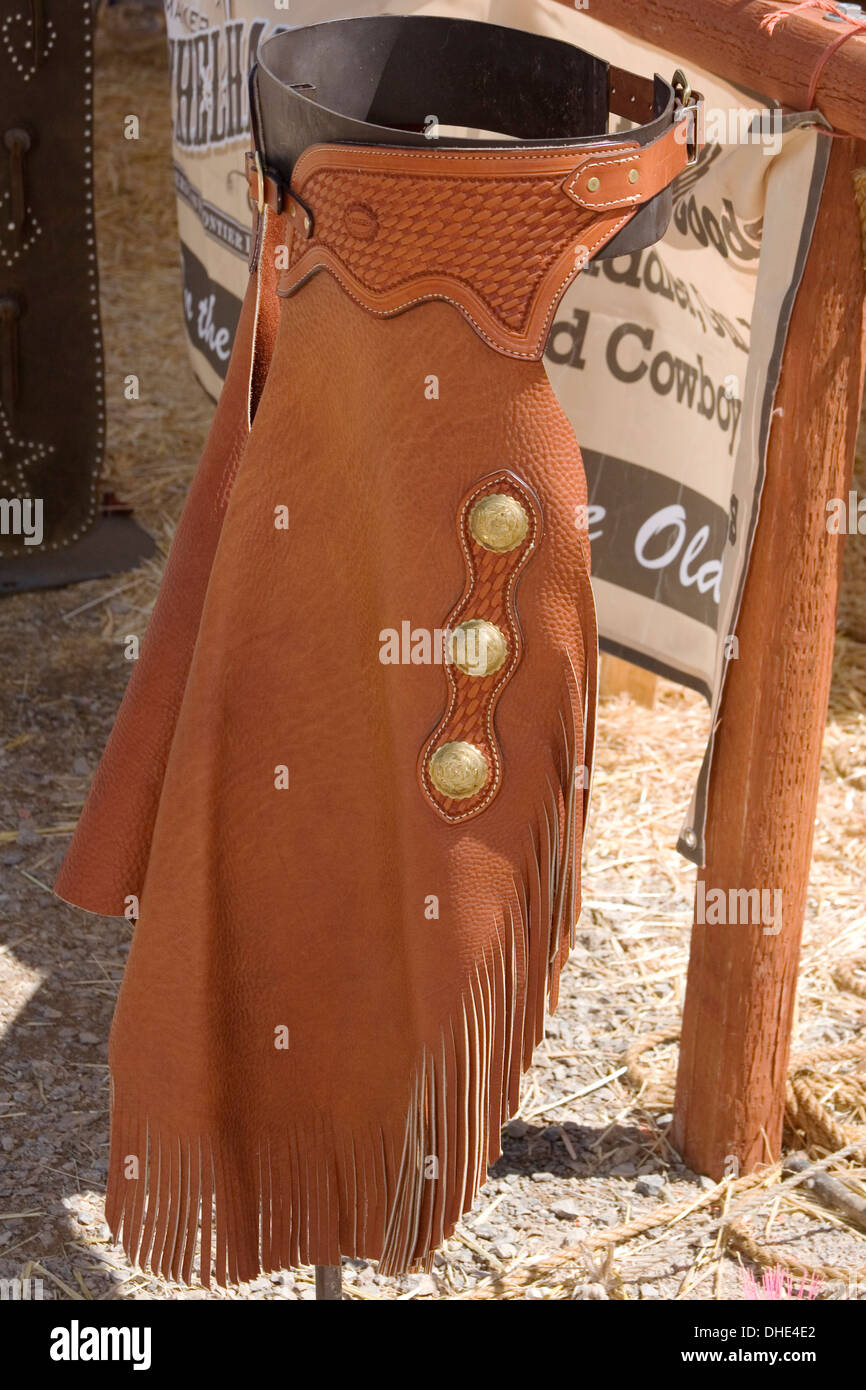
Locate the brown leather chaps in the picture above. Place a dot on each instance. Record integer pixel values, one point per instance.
(346, 788)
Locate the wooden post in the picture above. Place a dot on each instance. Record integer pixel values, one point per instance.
(618, 677)
(725, 37)
(763, 791)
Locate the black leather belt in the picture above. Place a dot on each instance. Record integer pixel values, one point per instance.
(396, 80)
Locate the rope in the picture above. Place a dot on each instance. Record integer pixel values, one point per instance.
(770, 1256)
(538, 1266)
(661, 1216)
(732, 1234)
(844, 976)
(808, 1116)
(636, 1072)
(805, 1112)
(770, 21)
(830, 1052)
(639, 1227)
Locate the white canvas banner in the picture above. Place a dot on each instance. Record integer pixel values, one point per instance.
(666, 361)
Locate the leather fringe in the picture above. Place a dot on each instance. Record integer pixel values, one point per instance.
(310, 1196)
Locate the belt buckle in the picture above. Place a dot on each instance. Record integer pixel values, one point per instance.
(691, 105)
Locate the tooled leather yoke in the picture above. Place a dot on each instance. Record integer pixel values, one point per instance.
(497, 235)
(497, 227)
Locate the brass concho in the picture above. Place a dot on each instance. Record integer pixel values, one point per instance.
(499, 522)
(460, 767)
(458, 770)
(478, 648)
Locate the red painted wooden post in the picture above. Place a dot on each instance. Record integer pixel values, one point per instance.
(742, 980)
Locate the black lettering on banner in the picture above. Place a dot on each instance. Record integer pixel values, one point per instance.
(215, 223)
(565, 344)
(208, 73)
(646, 270)
(617, 363)
(632, 358)
(624, 270)
(730, 237)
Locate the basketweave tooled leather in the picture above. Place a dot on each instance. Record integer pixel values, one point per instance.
(339, 971)
(501, 235)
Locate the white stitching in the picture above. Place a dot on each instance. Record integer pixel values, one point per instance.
(521, 155)
(534, 353)
(606, 164)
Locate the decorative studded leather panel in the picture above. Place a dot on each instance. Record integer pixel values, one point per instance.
(489, 595)
(52, 426)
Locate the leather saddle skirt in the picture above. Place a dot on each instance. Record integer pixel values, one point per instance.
(346, 790)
